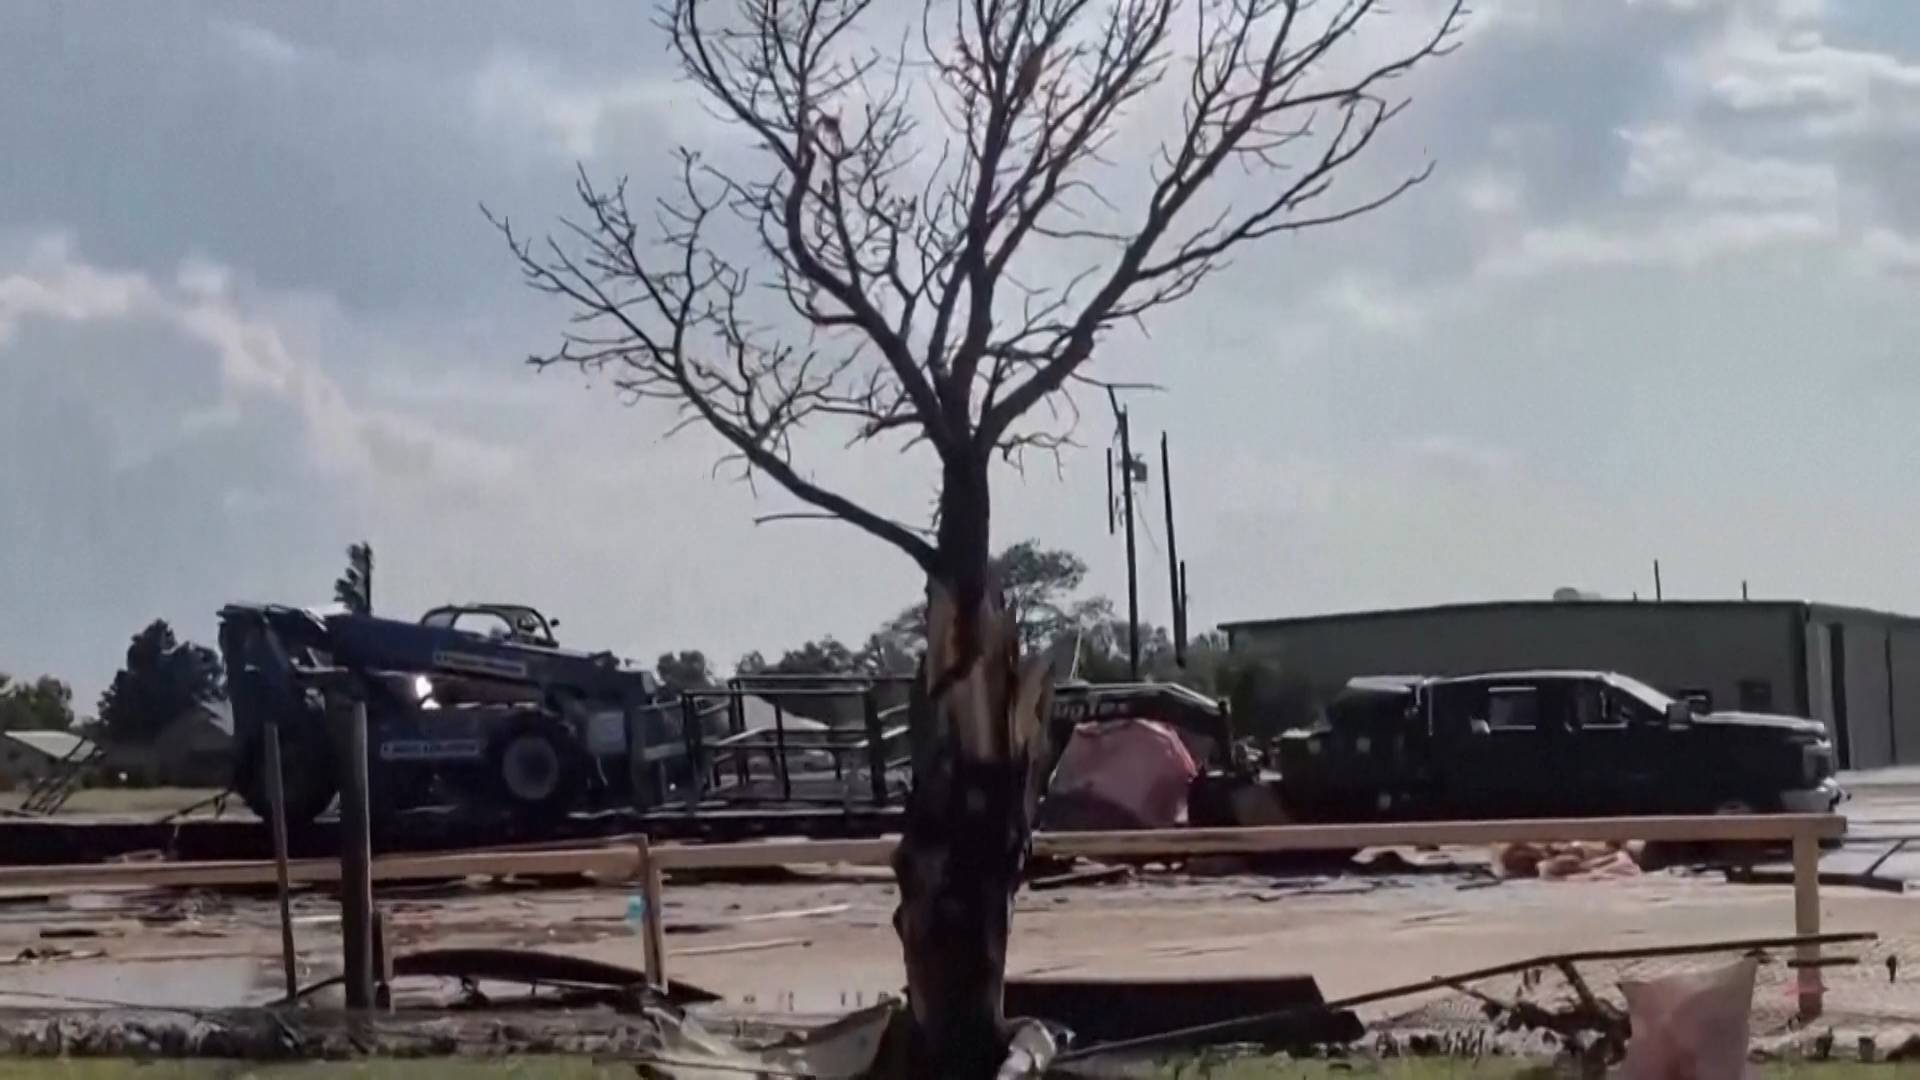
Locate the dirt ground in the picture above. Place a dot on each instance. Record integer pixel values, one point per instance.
(822, 942)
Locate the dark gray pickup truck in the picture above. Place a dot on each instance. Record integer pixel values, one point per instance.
(1544, 743)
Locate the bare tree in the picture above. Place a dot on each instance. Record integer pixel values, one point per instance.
(927, 248)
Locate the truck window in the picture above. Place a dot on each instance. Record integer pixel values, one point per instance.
(1592, 709)
(1513, 708)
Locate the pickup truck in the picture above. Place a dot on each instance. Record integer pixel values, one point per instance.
(1544, 743)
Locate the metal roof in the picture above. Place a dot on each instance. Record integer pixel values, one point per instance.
(54, 744)
(1487, 606)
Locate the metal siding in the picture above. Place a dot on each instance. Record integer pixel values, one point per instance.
(1673, 647)
(1904, 649)
(1869, 729)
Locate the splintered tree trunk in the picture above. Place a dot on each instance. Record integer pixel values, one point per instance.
(978, 733)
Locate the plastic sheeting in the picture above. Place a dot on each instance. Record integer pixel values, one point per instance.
(1120, 774)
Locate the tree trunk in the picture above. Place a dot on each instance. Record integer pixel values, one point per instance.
(978, 746)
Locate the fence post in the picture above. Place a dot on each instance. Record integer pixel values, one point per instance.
(277, 812)
(696, 772)
(356, 858)
(780, 750)
(653, 930)
(876, 748)
(1806, 920)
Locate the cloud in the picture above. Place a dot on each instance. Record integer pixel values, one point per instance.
(1668, 160)
(257, 43)
(1373, 303)
(254, 359)
(1682, 243)
(50, 284)
(1493, 192)
(1886, 251)
(515, 99)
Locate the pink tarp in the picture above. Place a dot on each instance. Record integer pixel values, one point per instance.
(1120, 774)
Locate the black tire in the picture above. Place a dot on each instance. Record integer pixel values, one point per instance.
(307, 776)
(537, 766)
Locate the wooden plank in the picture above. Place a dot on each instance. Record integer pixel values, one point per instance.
(1275, 838)
(623, 863)
(606, 863)
(1339, 837)
(753, 855)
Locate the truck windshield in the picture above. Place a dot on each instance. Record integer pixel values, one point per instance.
(1647, 695)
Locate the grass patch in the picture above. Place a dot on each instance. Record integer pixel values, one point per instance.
(155, 801)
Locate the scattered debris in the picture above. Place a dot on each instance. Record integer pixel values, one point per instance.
(1095, 874)
(57, 933)
(1571, 861)
(33, 954)
(745, 946)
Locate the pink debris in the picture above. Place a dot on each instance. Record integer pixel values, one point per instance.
(1691, 1026)
(1121, 774)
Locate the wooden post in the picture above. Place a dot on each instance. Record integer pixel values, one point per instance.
(1806, 920)
(652, 924)
(277, 813)
(356, 859)
(876, 747)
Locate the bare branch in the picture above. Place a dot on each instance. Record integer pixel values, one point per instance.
(943, 287)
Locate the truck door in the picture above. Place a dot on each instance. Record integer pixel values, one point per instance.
(1499, 748)
(1611, 761)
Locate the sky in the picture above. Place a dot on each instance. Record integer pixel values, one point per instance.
(1655, 301)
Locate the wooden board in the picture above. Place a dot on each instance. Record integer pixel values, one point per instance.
(606, 863)
(623, 863)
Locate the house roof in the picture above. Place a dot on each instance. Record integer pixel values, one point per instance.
(218, 714)
(53, 744)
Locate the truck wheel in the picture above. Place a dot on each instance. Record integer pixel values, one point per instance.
(536, 767)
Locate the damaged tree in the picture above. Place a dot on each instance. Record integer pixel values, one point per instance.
(923, 240)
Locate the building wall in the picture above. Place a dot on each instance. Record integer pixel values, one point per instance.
(1905, 640)
(1868, 693)
(21, 765)
(1675, 646)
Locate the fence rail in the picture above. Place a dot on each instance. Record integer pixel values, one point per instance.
(631, 860)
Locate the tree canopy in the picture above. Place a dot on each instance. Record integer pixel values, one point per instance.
(162, 678)
(685, 670)
(45, 704)
(354, 587)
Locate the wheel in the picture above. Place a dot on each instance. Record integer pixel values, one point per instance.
(536, 766)
(306, 775)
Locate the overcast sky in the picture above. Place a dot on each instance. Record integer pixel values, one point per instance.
(1657, 300)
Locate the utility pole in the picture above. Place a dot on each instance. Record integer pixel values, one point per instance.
(1173, 562)
(1110, 491)
(1133, 577)
(1658, 593)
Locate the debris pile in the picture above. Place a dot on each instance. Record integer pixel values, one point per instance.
(1577, 860)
